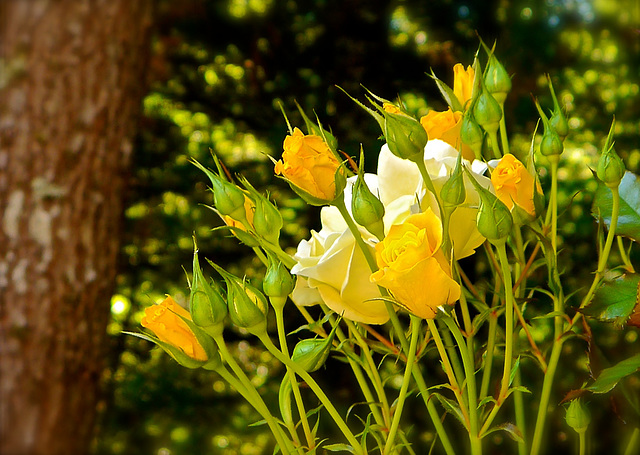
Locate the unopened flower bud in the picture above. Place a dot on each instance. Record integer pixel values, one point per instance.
(559, 123)
(471, 134)
(453, 192)
(247, 306)
(366, 208)
(494, 219)
(578, 416)
(551, 144)
(278, 282)
(207, 305)
(405, 136)
(558, 120)
(312, 353)
(610, 166)
(497, 80)
(228, 198)
(487, 112)
(267, 220)
(178, 336)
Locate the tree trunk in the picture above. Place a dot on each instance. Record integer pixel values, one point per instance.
(71, 82)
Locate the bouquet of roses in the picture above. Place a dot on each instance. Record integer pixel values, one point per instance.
(385, 275)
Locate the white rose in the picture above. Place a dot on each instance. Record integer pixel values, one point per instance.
(332, 269)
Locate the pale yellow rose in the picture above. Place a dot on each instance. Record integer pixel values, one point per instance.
(403, 192)
(308, 163)
(463, 83)
(332, 269)
(446, 127)
(514, 184)
(165, 322)
(414, 268)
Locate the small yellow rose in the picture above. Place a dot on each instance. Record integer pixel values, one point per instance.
(413, 267)
(463, 83)
(514, 184)
(308, 163)
(164, 321)
(446, 127)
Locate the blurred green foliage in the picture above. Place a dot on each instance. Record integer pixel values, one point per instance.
(220, 70)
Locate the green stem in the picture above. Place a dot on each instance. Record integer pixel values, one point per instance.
(259, 406)
(415, 332)
(398, 330)
(508, 335)
(602, 262)
(294, 382)
(264, 338)
(547, 382)
(469, 371)
(553, 201)
(452, 353)
(503, 133)
(488, 361)
(583, 442)
(446, 365)
(493, 137)
(372, 370)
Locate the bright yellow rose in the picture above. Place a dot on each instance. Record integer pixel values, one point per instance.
(514, 184)
(446, 127)
(463, 83)
(413, 267)
(308, 163)
(164, 321)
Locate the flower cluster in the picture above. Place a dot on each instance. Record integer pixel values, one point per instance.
(388, 250)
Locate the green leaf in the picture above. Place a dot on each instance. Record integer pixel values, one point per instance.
(339, 448)
(451, 407)
(512, 430)
(615, 300)
(609, 377)
(629, 217)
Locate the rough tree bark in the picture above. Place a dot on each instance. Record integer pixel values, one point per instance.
(71, 81)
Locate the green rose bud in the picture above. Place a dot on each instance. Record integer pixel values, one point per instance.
(558, 120)
(471, 134)
(453, 192)
(496, 80)
(247, 306)
(551, 144)
(228, 198)
(611, 168)
(207, 305)
(487, 112)
(312, 353)
(278, 282)
(405, 136)
(494, 218)
(366, 208)
(578, 416)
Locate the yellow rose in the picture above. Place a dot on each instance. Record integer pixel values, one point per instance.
(308, 163)
(446, 127)
(514, 184)
(463, 83)
(164, 321)
(413, 267)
